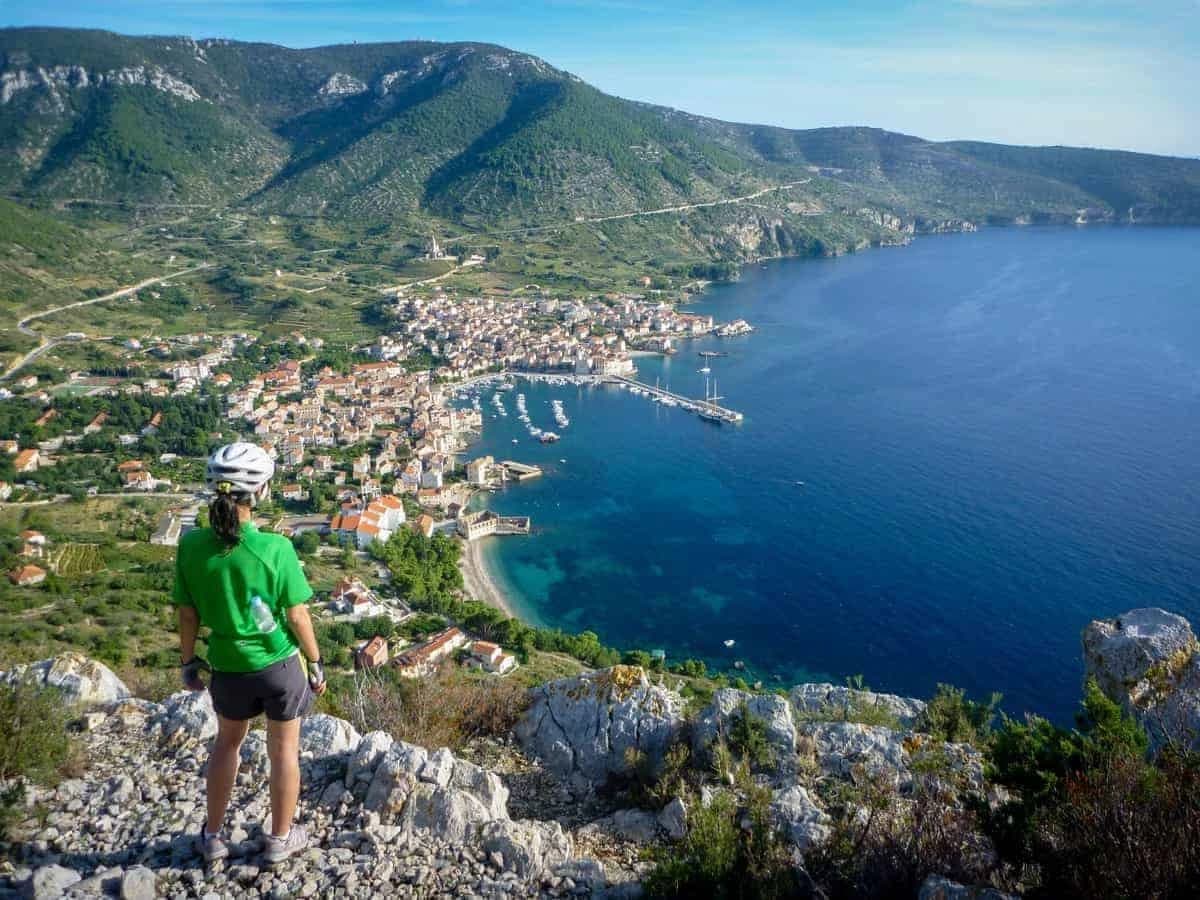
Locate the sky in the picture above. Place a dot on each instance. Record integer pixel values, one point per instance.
(1100, 73)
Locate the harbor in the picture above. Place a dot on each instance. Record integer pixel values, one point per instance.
(707, 408)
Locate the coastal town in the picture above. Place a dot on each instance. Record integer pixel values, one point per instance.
(368, 441)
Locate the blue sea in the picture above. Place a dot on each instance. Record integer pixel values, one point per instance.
(954, 456)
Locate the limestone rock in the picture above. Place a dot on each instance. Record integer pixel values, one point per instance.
(438, 767)
(1148, 660)
(81, 680)
(367, 755)
(843, 746)
(391, 782)
(484, 785)
(528, 848)
(800, 819)
(340, 84)
(582, 728)
(589, 874)
(672, 819)
(772, 710)
(139, 883)
(935, 887)
(185, 716)
(634, 825)
(819, 698)
(254, 752)
(49, 883)
(452, 814)
(323, 735)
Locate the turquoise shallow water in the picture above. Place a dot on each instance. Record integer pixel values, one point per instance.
(997, 436)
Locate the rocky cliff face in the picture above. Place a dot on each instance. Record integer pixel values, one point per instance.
(1148, 660)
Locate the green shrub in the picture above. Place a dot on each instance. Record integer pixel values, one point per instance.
(748, 738)
(1089, 814)
(950, 716)
(654, 787)
(720, 859)
(34, 744)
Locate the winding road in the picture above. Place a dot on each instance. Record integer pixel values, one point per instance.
(653, 212)
(47, 343)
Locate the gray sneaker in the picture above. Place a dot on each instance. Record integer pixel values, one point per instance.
(211, 846)
(278, 849)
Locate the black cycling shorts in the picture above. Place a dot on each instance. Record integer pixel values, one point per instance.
(280, 690)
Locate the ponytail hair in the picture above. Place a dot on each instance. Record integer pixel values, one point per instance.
(223, 515)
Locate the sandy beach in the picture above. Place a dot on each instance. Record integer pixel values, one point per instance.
(478, 581)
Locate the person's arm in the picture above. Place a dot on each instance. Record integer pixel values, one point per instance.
(189, 627)
(301, 626)
(190, 665)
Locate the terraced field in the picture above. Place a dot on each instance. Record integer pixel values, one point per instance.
(78, 559)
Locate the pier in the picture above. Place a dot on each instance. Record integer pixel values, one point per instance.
(706, 409)
(519, 471)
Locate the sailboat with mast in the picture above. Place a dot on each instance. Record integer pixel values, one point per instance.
(708, 410)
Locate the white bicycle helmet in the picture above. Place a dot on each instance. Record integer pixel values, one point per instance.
(240, 468)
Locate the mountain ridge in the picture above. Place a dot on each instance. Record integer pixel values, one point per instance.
(481, 135)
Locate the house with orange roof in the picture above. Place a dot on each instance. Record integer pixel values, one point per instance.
(27, 461)
(491, 658)
(96, 424)
(372, 654)
(294, 492)
(27, 575)
(423, 660)
(35, 543)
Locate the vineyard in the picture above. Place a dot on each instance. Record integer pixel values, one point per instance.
(78, 559)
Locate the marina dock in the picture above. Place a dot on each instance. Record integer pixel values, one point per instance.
(705, 409)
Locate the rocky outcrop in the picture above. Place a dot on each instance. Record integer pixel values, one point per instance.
(185, 717)
(849, 751)
(390, 817)
(772, 710)
(385, 817)
(583, 729)
(322, 735)
(822, 699)
(885, 219)
(799, 818)
(56, 78)
(943, 226)
(81, 680)
(1148, 660)
(339, 84)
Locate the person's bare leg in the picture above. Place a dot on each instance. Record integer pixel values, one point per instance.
(283, 748)
(222, 769)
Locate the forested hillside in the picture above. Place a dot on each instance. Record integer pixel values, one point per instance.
(485, 136)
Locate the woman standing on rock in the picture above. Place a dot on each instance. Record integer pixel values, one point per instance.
(238, 581)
